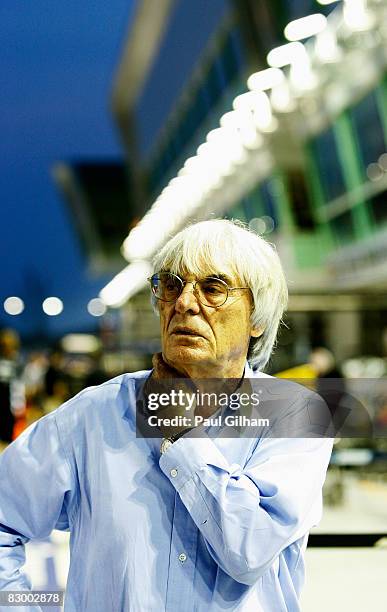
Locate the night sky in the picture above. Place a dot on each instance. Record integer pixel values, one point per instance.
(57, 64)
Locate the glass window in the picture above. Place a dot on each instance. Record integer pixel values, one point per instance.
(203, 102)
(188, 124)
(249, 206)
(295, 9)
(232, 56)
(214, 83)
(379, 207)
(300, 8)
(236, 212)
(324, 149)
(299, 199)
(369, 130)
(154, 176)
(219, 68)
(238, 48)
(267, 192)
(170, 153)
(342, 226)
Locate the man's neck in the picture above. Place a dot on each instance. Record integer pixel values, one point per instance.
(205, 370)
(208, 383)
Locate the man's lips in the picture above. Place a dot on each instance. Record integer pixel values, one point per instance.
(186, 331)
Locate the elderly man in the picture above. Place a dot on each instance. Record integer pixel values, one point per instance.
(183, 521)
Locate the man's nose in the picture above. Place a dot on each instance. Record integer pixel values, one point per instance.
(187, 300)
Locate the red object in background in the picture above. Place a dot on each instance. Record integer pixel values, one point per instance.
(19, 426)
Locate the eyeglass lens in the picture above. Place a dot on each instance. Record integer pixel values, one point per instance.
(209, 291)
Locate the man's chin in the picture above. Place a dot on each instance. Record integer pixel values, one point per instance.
(185, 355)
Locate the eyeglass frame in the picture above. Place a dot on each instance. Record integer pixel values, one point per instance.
(194, 283)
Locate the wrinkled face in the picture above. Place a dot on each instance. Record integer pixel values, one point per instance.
(203, 341)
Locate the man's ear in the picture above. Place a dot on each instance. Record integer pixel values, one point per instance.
(256, 332)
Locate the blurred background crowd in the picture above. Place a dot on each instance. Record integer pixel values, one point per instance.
(123, 121)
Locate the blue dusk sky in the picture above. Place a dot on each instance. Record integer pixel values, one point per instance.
(57, 67)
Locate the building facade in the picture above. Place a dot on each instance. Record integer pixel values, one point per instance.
(312, 180)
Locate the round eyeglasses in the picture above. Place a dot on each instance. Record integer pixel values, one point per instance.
(210, 291)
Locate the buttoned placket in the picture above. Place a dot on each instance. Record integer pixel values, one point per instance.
(182, 559)
(184, 541)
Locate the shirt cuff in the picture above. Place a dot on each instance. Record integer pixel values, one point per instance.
(188, 456)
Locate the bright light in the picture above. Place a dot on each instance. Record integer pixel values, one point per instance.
(265, 79)
(141, 241)
(374, 172)
(326, 2)
(96, 307)
(305, 27)
(282, 100)
(269, 223)
(262, 225)
(258, 104)
(263, 116)
(302, 76)
(190, 164)
(245, 103)
(183, 195)
(356, 15)
(52, 306)
(383, 161)
(285, 54)
(127, 283)
(326, 47)
(80, 343)
(13, 305)
(224, 148)
(243, 122)
(234, 119)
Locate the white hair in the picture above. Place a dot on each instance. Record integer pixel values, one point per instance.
(221, 246)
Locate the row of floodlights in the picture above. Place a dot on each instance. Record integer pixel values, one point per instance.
(241, 132)
(243, 129)
(51, 306)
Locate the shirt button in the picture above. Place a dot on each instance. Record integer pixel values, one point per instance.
(182, 557)
(173, 472)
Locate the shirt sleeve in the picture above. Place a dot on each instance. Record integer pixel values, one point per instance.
(249, 515)
(35, 495)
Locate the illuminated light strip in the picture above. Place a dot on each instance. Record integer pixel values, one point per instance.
(265, 79)
(203, 177)
(305, 27)
(326, 47)
(326, 2)
(126, 284)
(257, 104)
(285, 54)
(357, 16)
(282, 99)
(302, 76)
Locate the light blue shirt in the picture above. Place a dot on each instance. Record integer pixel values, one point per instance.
(212, 524)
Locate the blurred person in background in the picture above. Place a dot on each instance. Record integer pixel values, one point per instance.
(329, 382)
(324, 364)
(97, 373)
(349, 414)
(56, 381)
(55, 370)
(179, 521)
(33, 376)
(12, 393)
